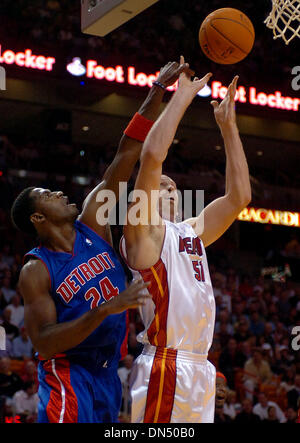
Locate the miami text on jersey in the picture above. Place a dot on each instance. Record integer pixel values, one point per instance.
(192, 246)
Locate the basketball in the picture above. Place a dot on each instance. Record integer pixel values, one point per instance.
(226, 36)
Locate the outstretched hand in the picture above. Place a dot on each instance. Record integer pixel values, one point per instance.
(170, 73)
(132, 297)
(190, 86)
(225, 111)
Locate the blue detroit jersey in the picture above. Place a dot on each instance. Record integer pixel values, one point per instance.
(81, 281)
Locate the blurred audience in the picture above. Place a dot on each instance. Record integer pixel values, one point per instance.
(10, 382)
(262, 409)
(25, 403)
(246, 415)
(256, 371)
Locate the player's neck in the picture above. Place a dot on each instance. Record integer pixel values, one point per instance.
(60, 238)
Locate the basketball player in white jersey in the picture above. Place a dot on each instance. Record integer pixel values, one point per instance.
(172, 380)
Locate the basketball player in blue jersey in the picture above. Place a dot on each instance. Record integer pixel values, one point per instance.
(73, 285)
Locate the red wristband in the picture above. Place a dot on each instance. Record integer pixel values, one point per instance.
(138, 127)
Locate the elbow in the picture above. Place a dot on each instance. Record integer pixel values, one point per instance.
(155, 148)
(246, 199)
(241, 201)
(45, 353)
(45, 348)
(151, 155)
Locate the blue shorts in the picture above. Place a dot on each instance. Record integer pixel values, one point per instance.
(71, 393)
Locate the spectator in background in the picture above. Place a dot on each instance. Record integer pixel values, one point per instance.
(6, 292)
(268, 334)
(291, 415)
(293, 395)
(231, 406)
(245, 288)
(22, 346)
(3, 263)
(10, 382)
(238, 310)
(124, 374)
(268, 355)
(224, 319)
(259, 285)
(30, 372)
(11, 330)
(256, 371)
(272, 416)
(223, 335)
(287, 381)
(225, 300)
(262, 409)
(246, 415)
(283, 358)
(17, 311)
(217, 282)
(125, 370)
(230, 360)
(8, 411)
(246, 350)
(25, 403)
(7, 351)
(221, 393)
(242, 332)
(257, 325)
(7, 256)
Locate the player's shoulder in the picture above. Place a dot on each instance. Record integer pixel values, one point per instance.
(33, 270)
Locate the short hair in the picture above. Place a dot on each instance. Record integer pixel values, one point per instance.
(22, 208)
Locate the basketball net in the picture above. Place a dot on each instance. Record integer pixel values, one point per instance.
(284, 19)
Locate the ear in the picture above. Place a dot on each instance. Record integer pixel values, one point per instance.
(37, 217)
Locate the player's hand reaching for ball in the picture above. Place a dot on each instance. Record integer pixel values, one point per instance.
(133, 297)
(170, 73)
(190, 87)
(225, 111)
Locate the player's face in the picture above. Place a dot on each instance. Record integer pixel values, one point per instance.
(221, 391)
(168, 198)
(54, 206)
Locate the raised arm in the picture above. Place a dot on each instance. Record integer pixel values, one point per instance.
(148, 233)
(217, 217)
(129, 149)
(48, 336)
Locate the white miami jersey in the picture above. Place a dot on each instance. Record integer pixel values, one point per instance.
(181, 314)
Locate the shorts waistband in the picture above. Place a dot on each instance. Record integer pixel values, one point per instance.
(174, 354)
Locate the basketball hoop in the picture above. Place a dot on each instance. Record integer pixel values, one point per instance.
(284, 19)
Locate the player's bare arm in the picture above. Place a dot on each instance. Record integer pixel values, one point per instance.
(149, 233)
(218, 216)
(129, 150)
(49, 337)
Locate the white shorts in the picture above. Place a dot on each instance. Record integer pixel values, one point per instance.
(172, 386)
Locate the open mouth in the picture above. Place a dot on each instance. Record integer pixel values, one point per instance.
(67, 202)
(220, 401)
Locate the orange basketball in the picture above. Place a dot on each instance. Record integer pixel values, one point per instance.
(226, 36)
